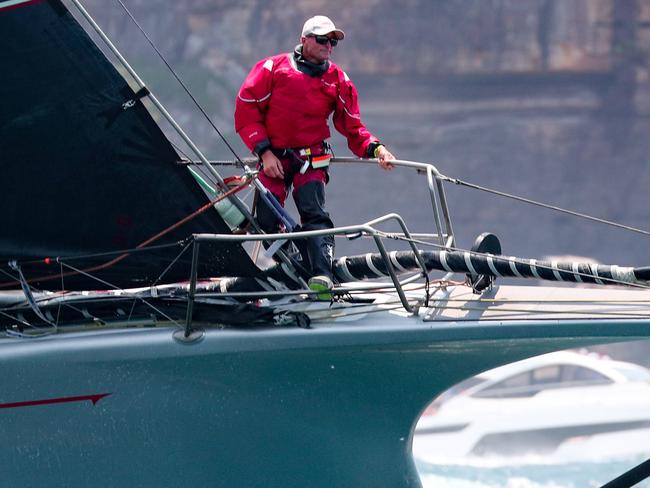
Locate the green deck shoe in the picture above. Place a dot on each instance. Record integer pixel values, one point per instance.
(323, 285)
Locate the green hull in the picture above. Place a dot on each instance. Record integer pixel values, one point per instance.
(333, 406)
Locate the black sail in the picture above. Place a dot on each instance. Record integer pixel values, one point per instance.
(80, 174)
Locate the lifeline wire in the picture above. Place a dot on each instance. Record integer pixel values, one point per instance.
(136, 298)
(198, 105)
(544, 205)
(80, 271)
(178, 256)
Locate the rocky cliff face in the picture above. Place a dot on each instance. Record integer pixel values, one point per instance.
(453, 36)
(544, 98)
(213, 43)
(412, 36)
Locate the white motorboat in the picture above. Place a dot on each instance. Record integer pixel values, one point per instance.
(559, 404)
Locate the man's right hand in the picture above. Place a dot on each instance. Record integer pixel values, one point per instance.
(384, 158)
(272, 165)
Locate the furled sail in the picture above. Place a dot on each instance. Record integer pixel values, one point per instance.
(371, 265)
(348, 269)
(84, 168)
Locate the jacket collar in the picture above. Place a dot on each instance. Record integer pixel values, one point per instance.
(307, 67)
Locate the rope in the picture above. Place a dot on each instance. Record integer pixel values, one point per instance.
(545, 205)
(178, 256)
(135, 297)
(496, 315)
(173, 72)
(28, 295)
(142, 245)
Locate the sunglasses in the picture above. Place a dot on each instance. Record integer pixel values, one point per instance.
(324, 40)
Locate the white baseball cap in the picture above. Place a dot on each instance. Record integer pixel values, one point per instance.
(319, 25)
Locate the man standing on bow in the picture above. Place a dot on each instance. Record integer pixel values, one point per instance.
(281, 115)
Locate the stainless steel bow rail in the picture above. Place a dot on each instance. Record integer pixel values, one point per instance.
(366, 229)
(436, 193)
(444, 231)
(443, 228)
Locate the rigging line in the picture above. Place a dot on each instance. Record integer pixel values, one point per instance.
(74, 302)
(512, 313)
(189, 93)
(61, 301)
(130, 298)
(592, 301)
(496, 312)
(29, 335)
(58, 312)
(142, 245)
(384, 291)
(29, 296)
(78, 310)
(177, 147)
(187, 246)
(196, 213)
(546, 205)
(9, 275)
(340, 309)
(411, 287)
(45, 331)
(27, 324)
(107, 253)
(37, 301)
(595, 315)
(132, 310)
(385, 309)
(121, 289)
(207, 175)
(358, 308)
(514, 258)
(621, 304)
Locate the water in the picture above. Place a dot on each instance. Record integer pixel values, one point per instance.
(527, 474)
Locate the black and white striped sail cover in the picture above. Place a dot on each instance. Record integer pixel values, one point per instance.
(371, 265)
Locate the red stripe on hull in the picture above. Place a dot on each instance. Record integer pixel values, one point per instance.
(50, 401)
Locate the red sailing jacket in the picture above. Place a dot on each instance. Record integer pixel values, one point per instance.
(280, 104)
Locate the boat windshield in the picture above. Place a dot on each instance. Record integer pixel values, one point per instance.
(534, 381)
(459, 388)
(633, 373)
